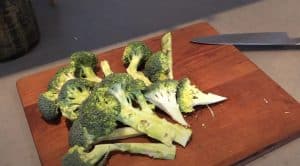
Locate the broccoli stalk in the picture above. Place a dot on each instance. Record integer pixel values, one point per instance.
(79, 135)
(76, 156)
(47, 104)
(147, 123)
(136, 54)
(189, 95)
(163, 95)
(73, 93)
(166, 45)
(105, 68)
(85, 63)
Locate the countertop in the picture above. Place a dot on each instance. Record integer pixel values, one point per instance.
(75, 25)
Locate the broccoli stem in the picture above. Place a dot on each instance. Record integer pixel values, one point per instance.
(155, 150)
(166, 44)
(132, 70)
(90, 74)
(105, 68)
(121, 133)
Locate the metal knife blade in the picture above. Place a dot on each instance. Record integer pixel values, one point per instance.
(258, 39)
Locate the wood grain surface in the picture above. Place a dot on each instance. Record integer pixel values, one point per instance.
(257, 114)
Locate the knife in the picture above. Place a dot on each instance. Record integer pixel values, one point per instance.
(248, 39)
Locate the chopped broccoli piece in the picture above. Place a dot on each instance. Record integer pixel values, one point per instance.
(189, 95)
(157, 67)
(48, 106)
(134, 56)
(71, 96)
(105, 68)
(163, 95)
(133, 89)
(166, 45)
(148, 123)
(62, 75)
(79, 135)
(85, 63)
(76, 156)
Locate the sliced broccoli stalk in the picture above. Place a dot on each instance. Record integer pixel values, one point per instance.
(47, 104)
(85, 62)
(80, 136)
(163, 95)
(76, 156)
(105, 68)
(73, 93)
(63, 75)
(134, 56)
(157, 67)
(147, 123)
(189, 95)
(166, 45)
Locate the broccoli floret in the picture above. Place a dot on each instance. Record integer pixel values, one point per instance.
(85, 62)
(163, 95)
(47, 104)
(105, 67)
(61, 77)
(78, 135)
(189, 95)
(71, 96)
(166, 45)
(76, 156)
(133, 88)
(158, 67)
(99, 112)
(134, 56)
(148, 123)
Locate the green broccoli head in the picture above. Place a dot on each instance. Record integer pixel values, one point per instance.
(157, 68)
(99, 112)
(163, 95)
(135, 54)
(62, 75)
(78, 135)
(85, 62)
(133, 88)
(71, 96)
(48, 106)
(189, 95)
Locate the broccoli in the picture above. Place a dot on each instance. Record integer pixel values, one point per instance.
(76, 156)
(166, 45)
(189, 95)
(148, 123)
(99, 112)
(134, 56)
(71, 96)
(163, 95)
(62, 75)
(134, 91)
(105, 68)
(85, 63)
(158, 67)
(47, 104)
(79, 135)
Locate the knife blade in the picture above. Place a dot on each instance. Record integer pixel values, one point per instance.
(248, 39)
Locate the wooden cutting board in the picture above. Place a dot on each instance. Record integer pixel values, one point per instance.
(257, 114)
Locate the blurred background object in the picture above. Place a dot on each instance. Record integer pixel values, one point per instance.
(18, 28)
